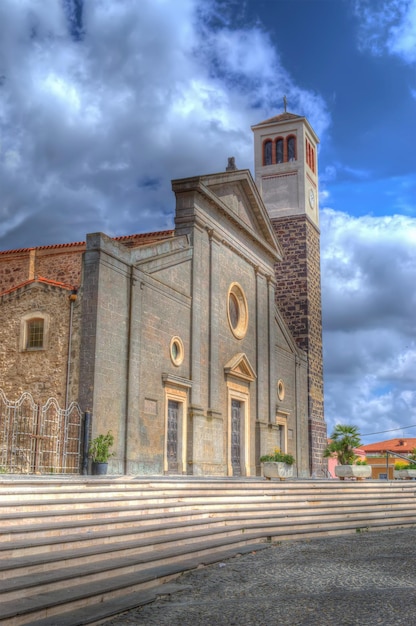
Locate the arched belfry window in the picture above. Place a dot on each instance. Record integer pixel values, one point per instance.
(268, 152)
(291, 148)
(310, 156)
(279, 150)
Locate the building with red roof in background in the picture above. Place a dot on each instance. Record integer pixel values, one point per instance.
(383, 463)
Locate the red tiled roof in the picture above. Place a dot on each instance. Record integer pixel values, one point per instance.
(283, 117)
(133, 241)
(50, 247)
(399, 444)
(128, 240)
(39, 279)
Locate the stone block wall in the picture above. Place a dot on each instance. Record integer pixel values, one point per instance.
(103, 366)
(298, 296)
(164, 314)
(224, 254)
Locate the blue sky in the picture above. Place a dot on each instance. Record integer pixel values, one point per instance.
(102, 103)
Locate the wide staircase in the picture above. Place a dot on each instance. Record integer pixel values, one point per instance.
(78, 551)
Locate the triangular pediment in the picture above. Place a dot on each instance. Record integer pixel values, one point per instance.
(240, 367)
(238, 192)
(236, 196)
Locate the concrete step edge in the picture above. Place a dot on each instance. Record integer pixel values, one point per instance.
(56, 533)
(100, 588)
(190, 508)
(162, 524)
(110, 608)
(53, 508)
(144, 551)
(140, 542)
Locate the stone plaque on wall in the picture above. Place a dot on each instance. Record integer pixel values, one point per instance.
(150, 406)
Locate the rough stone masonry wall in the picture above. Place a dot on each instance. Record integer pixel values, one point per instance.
(317, 431)
(298, 296)
(43, 373)
(14, 270)
(62, 266)
(292, 277)
(60, 263)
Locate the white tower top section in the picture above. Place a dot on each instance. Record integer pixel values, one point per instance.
(286, 166)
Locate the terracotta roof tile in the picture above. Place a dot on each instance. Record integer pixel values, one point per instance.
(133, 241)
(39, 279)
(283, 117)
(50, 247)
(399, 444)
(128, 240)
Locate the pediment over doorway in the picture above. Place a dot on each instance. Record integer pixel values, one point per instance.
(240, 367)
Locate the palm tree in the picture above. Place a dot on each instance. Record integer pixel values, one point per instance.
(343, 441)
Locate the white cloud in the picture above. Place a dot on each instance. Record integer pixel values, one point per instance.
(388, 26)
(369, 299)
(402, 38)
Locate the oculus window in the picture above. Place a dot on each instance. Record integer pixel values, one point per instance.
(177, 351)
(237, 311)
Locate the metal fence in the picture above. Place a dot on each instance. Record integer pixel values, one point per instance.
(39, 439)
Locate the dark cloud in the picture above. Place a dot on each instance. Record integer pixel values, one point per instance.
(100, 95)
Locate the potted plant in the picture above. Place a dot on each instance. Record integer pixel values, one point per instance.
(404, 470)
(99, 451)
(277, 465)
(344, 440)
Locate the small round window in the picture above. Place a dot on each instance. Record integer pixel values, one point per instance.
(280, 390)
(237, 311)
(176, 350)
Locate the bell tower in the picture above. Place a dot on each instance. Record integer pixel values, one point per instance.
(286, 173)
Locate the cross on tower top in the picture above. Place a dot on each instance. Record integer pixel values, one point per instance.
(285, 103)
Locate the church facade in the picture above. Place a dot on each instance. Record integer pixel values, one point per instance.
(200, 348)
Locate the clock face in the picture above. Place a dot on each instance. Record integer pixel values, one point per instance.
(312, 198)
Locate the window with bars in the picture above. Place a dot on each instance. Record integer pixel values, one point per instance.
(34, 330)
(35, 334)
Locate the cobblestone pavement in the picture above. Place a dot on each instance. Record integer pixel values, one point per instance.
(368, 578)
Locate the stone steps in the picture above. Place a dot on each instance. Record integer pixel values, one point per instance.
(78, 551)
(20, 517)
(93, 549)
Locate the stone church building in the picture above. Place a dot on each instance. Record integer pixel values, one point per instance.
(200, 348)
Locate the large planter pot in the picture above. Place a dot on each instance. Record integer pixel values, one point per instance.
(273, 469)
(353, 471)
(405, 474)
(99, 469)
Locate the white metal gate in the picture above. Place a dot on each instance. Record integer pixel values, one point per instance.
(39, 439)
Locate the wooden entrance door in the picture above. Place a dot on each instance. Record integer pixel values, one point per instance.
(236, 437)
(172, 442)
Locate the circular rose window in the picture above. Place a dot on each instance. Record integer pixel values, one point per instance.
(176, 350)
(237, 311)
